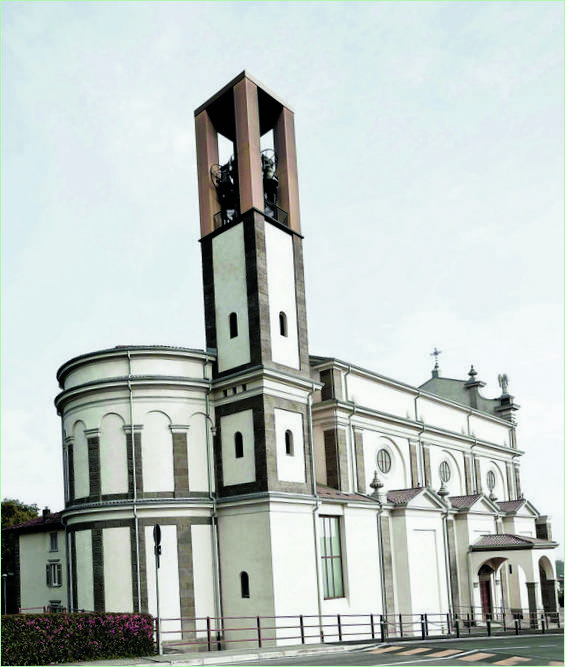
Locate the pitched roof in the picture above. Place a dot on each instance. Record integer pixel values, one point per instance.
(462, 502)
(507, 540)
(39, 524)
(403, 496)
(335, 494)
(511, 505)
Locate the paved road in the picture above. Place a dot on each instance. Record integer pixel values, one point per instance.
(526, 651)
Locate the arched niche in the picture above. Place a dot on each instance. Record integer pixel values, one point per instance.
(157, 453)
(113, 455)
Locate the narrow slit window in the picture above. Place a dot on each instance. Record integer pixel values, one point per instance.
(233, 325)
(283, 324)
(244, 579)
(289, 443)
(238, 445)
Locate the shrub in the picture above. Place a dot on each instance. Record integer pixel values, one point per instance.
(41, 639)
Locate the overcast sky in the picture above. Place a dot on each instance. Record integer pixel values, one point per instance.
(430, 157)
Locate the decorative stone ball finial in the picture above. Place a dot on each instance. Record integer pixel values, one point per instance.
(443, 492)
(377, 483)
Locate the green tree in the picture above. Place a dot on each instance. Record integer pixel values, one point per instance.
(15, 512)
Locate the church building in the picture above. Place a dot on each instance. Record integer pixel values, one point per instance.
(284, 483)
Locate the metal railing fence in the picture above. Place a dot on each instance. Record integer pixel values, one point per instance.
(219, 633)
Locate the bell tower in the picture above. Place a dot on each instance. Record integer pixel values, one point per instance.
(254, 297)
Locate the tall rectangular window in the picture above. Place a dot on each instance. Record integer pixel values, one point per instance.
(54, 573)
(330, 549)
(53, 545)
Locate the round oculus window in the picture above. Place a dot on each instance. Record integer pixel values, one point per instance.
(491, 480)
(444, 472)
(384, 461)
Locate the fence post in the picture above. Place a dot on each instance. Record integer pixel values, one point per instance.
(372, 626)
(302, 629)
(209, 632)
(517, 625)
(423, 626)
(557, 619)
(382, 627)
(157, 633)
(448, 624)
(468, 623)
(321, 623)
(339, 627)
(400, 625)
(427, 626)
(504, 621)
(489, 627)
(259, 638)
(542, 625)
(457, 631)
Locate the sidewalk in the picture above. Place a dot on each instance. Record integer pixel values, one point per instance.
(223, 657)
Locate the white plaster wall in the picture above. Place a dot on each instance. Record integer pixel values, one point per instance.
(169, 588)
(525, 526)
(157, 453)
(203, 572)
(245, 546)
(113, 455)
(230, 295)
(179, 367)
(97, 369)
(289, 468)
(80, 461)
(294, 566)
(456, 484)
(282, 295)
(443, 416)
(489, 431)
(360, 560)
(427, 564)
(238, 470)
(480, 525)
(399, 475)
(34, 557)
(118, 587)
(84, 583)
(500, 487)
(379, 396)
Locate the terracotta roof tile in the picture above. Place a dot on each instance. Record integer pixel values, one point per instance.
(403, 496)
(335, 494)
(462, 502)
(511, 505)
(506, 540)
(50, 522)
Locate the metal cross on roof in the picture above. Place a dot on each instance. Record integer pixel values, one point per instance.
(436, 354)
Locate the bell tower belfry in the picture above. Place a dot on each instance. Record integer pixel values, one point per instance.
(254, 297)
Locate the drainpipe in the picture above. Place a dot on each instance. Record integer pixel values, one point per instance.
(212, 495)
(381, 559)
(352, 463)
(355, 481)
(315, 510)
(444, 518)
(470, 580)
(67, 536)
(134, 480)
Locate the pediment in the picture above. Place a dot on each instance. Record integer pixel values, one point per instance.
(426, 500)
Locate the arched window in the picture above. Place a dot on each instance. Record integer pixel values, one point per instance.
(238, 438)
(244, 579)
(384, 461)
(233, 325)
(444, 472)
(282, 324)
(289, 443)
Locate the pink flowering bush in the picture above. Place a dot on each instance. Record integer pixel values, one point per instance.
(43, 639)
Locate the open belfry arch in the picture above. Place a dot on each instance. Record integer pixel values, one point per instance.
(284, 483)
